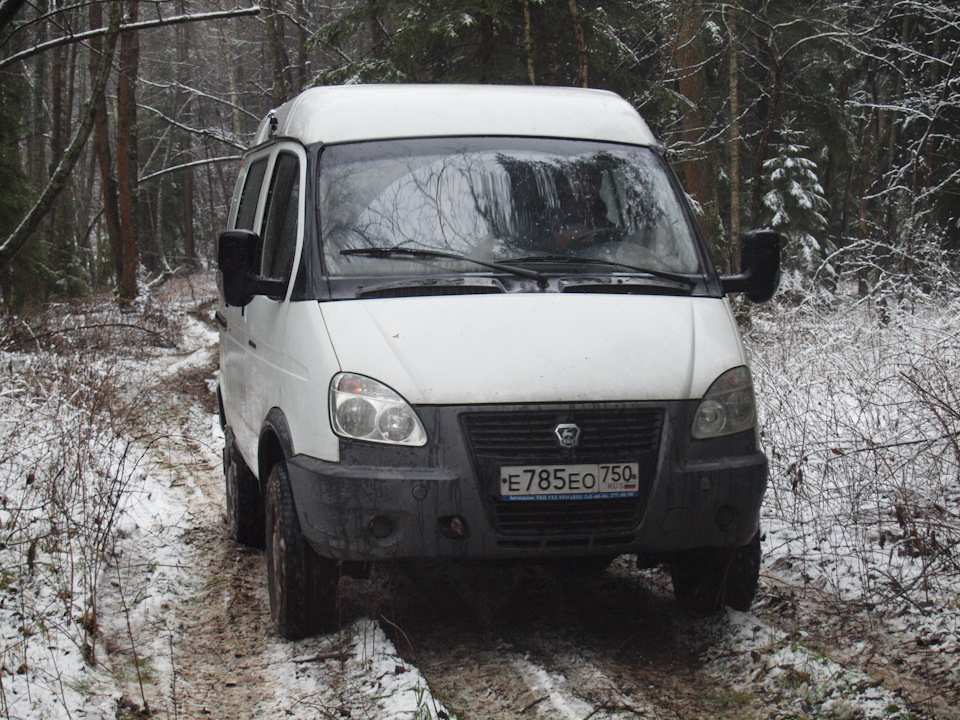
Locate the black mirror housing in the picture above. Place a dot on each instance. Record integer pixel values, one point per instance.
(237, 258)
(759, 274)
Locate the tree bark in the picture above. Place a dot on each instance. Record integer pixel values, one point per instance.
(186, 147)
(692, 85)
(582, 60)
(127, 157)
(528, 43)
(734, 76)
(108, 179)
(280, 61)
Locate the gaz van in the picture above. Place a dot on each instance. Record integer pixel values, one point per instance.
(480, 323)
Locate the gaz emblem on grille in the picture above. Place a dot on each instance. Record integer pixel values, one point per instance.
(567, 434)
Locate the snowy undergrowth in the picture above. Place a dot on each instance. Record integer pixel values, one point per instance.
(860, 415)
(100, 498)
(71, 447)
(763, 660)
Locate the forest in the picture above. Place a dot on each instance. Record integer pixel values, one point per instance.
(837, 123)
(121, 596)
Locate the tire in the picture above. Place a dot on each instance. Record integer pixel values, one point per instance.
(706, 579)
(244, 500)
(303, 586)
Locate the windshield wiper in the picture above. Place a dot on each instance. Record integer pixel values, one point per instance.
(399, 251)
(568, 260)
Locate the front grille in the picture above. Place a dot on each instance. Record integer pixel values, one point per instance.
(609, 433)
(606, 434)
(574, 517)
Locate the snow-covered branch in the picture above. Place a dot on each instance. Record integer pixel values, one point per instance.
(130, 27)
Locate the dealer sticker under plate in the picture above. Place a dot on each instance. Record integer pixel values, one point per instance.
(569, 482)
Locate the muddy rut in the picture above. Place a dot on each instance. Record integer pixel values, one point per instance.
(491, 642)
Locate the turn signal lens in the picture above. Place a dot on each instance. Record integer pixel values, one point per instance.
(365, 409)
(728, 407)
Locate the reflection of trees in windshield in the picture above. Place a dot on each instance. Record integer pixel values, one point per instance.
(615, 205)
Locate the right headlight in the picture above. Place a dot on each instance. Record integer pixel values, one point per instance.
(362, 408)
(728, 407)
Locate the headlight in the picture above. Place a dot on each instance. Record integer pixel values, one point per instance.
(728, 407)
(364, 409)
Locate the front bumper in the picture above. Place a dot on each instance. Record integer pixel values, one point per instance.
(382, 502)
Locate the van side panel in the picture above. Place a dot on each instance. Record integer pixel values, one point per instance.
(304, 387)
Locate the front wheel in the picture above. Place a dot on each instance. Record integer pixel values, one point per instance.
(706, 579)
(303, 586)
(244, 501)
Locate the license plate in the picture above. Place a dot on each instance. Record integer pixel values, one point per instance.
(569, 482)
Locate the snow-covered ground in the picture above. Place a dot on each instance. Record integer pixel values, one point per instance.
(120, 595)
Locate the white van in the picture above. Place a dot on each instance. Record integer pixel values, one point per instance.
(480, 323)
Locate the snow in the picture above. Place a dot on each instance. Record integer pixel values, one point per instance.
(371, 680)
(103, 493)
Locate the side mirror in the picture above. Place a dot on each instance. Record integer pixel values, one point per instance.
(759, 266)
(237, 262)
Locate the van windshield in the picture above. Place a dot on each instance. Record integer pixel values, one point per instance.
(515, 201)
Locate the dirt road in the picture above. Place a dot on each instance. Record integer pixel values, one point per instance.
(186, 628)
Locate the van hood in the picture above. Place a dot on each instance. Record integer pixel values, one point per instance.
(519, 348)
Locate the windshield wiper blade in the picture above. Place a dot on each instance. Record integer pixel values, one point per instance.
(397, 250)
(569, 260)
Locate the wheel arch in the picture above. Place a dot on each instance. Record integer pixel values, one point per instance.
(220, 409)
(276, 443)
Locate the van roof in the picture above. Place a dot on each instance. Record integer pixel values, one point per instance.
(346, 113)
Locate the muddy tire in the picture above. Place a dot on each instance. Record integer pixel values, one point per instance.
(244, 500)
(706, 579)
(303, 586)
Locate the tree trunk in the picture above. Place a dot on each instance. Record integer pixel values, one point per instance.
(186, 146)
(734, 75)
(582, 62)
(528, 43)
(692, 85)
(486, 47)
(773, 114)
(127, 157)
(278, 54)
(108, 180)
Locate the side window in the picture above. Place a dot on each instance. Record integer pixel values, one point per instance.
(251, 193)
(280, 226)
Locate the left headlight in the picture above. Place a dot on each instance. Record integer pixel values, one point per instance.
(365, 409)
(728, 407)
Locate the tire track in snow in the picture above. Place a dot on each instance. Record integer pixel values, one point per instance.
(531, 643)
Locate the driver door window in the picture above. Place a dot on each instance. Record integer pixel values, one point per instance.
(281, 219)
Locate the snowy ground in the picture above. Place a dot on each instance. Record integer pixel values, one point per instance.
(121, 597)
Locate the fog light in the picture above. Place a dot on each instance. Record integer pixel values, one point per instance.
(726, 517)
(381, 527)
(453, 527)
